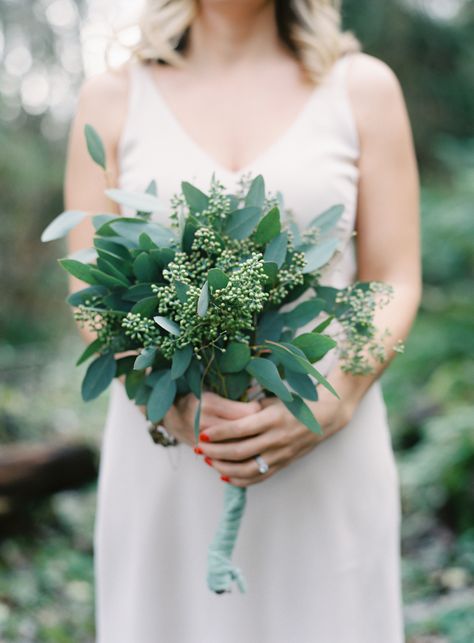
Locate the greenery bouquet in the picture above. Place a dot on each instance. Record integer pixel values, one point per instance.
(214, 301)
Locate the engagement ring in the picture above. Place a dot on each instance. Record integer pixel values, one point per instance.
(262, 465)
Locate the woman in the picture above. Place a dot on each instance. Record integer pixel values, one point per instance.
(249, 87)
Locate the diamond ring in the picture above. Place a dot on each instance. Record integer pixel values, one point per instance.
(262, 465)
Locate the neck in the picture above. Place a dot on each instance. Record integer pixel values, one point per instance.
(230, 33)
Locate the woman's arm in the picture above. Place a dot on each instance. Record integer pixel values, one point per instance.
(388, 250)
(102, 103)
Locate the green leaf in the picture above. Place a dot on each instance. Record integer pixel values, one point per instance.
(138, 201)
(146, 358)
(317, 256)
(95, 146)
(203, 301)
(271, 270)
(292, 357)
(181, 360)
(266, 373)
(100, 220)
(304, 312)
(132, 229)
(268, 228)
(144, 268)
(82, 271)
(132, 383)
(197, 420)
(82, 296)
(84, 255)
(167, 324)
(145, 242)
(276, 249)
(98, 376)
(323, 325)
(107, 280)
(328, 219)
(146, 307)
(108, 267)
(302, 384)
(162, 257)
(142, 394)
(313, 345)
(256, 194)
(303, 413)
(196, 200)
(235, 358)
(236, 384)
(269, 326)
(62, 224)
(161, 398)
(138, 292)
(181, 291)
(193, 377)
(190, 226)
(217, 279)
(93, 348)
(240, 223)
(115, 302)
(124, 365)
(112, 248)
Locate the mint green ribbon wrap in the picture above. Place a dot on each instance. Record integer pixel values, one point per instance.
(220, 571)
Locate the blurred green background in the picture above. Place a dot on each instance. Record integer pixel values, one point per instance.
(46, 577)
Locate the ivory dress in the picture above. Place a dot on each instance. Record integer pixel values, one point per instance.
(319, 541)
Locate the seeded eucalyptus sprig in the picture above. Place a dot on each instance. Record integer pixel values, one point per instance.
(209, 293)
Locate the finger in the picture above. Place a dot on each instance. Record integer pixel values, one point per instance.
(243, 427)
(237, 450)
(228, 409)
(247, 482)
(248, 469)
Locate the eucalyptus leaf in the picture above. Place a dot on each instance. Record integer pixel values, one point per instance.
(84, 255)
(98, 376)
(79, 270)
(266, 373)
(268, 227)
(95, 146)
(270, 326)
(93, 348)
(313, 345)
(132, 229)
(146, 307)
(181, 360)
(161, 397)
(62, 224)
(240, 223)
(319, 255)
(132, 382)
(167, 324)
(146, 358)
(328, 219)
(181, 291)
(236, 384)
(139, 201)
(235, 358)
(303, 413)
(217, 279)
(138, 292)
(304, 312)
(256, 194)
(144, 268)
(197, 419)
(203, 301)
(193, 377)
(276, 249)
(196, 200)
(113, 248)
(302, 384)
(107, 280)
(86, 294)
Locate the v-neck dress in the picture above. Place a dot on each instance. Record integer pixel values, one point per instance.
(319, 541)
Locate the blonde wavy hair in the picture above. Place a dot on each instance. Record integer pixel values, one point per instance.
(310, 28)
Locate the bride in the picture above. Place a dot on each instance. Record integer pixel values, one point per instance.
(239, 88)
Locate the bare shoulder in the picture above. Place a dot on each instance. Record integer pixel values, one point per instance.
(375, 93)
(103, 101)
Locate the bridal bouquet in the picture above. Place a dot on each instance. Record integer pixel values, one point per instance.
(214, 301)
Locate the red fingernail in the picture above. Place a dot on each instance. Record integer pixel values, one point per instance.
(204, 437)
(208, 461)
(225, 478)
(198, 451)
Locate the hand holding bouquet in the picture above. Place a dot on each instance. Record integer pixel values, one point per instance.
(213, 301)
